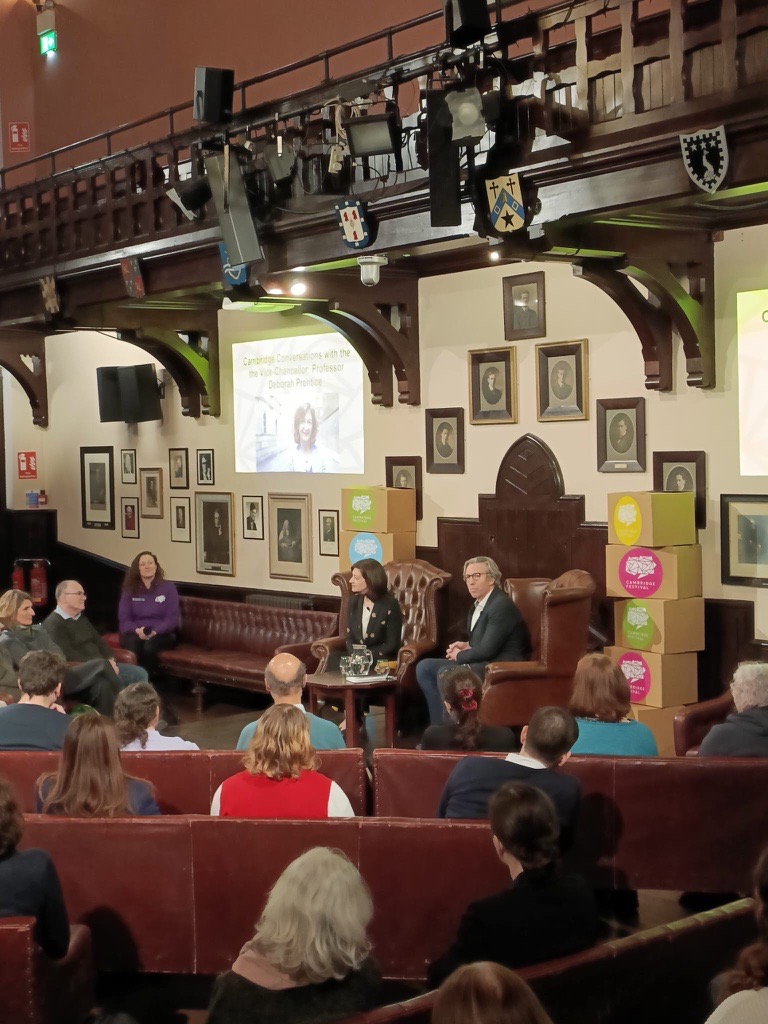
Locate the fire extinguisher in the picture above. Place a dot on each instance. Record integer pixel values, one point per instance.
(17, 576)
(38, 581)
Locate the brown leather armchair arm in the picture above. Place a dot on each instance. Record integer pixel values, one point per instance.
(692, 724)
(517, 688)
(510, 671)
(322, 650)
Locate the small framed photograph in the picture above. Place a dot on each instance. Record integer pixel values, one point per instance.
(97, 488)
(744, 539)
(405, 471)
(181, 515)
(524, 307)
(683, 471)
(128, 466)
(445, 440)
(253, 518)
(493, 385)
(620, 435)
(562, 381)
(290, 541)
(129, 517)
(178, 469)
(151, 493)
(328, 531)
(205, 474)
(214, 533)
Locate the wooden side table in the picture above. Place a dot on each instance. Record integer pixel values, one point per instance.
(326, 685)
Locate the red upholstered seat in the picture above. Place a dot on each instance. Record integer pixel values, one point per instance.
(692, 723)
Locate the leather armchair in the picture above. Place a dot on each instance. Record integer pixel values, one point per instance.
(557, 613)
(415, 585)
(692, 723)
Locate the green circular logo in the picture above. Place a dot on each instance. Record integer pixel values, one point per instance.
(638, 625)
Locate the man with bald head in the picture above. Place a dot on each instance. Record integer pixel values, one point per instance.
(284, 678)
(78, 638)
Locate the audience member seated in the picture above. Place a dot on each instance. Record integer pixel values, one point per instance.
(744, 733)
(544, 914)
(75, 634)
(137, 713)
(285, 677)
(29, 885)
(148, 613)
(90, 782)
(547, 741)
(495, 628)
(486, 993)
(743, 991)
(601, 705)
(36, 722)
(375, 618)
(462, 693)
(93, 682)
(309, 959)
(280, 778)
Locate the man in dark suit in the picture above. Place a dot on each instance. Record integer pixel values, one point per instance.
(547, 742)
(496, 629)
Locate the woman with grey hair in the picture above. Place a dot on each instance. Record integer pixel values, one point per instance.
(744, 733)
(309, 959)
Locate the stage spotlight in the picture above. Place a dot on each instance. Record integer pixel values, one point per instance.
(466, 22)
(280, 161)
(466, 111)
(190, 196)
(374, 135)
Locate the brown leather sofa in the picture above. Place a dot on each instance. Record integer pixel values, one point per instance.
(185, 781)
(692, 723)
(557, 614)
(37, 990)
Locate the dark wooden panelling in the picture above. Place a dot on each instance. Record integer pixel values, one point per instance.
(730, 638)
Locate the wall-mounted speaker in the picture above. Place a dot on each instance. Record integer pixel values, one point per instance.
(214, 95)
(466, 21)
(233, 208)
(128, 394)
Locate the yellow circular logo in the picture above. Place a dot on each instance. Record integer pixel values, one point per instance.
(627, 520)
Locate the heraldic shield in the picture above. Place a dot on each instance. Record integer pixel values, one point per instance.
(505, 203)
(705, 155)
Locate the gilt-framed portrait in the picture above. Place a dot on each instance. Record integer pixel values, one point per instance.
(493, 385)
(562, 381)
(524, 306)
(620, 435)
(290, 536)
(445, 440)
(744, 539)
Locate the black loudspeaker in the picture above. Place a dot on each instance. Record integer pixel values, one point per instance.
(233, 208)
(128, 394)
(444, 172)
(108, 386)
(466, 21)
(214, 94)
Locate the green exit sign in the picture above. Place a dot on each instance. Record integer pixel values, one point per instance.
(48, 42)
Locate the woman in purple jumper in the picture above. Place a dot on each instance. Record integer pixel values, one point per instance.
(148, 611)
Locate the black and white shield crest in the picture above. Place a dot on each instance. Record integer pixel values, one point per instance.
(705, 155)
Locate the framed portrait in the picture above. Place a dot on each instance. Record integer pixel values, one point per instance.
(181, 516)
(214, 533)
(524, 306)
(290, 540)
(178, 469)
(405, 471)
(253, 518)
(620, 435)
(151, 493)
(205, 474)
(97, 488)
(744, 539)
(328, 531)
(129, 517)
(128, 466)
(493, 385)
(445, 440)
(683, 471)
(562, 381)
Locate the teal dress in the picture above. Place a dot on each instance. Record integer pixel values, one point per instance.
(614, 739)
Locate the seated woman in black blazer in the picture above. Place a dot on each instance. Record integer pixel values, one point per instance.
(375, 618)
(462, 693)
(543, 914)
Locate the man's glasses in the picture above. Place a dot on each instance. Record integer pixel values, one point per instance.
(475, 576)
(75, 593)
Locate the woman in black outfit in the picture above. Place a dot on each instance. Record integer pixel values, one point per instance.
(462, 693)
(375, 618)
(29, 885)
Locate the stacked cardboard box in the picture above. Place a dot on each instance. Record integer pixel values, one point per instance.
(654, 564)
(377, 522)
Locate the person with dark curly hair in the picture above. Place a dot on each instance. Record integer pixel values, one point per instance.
(29, 884)
(462, 693)
(137, 714)
(544, 914)
(148, 612)
(743, 991)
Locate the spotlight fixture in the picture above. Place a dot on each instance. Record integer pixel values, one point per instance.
(280, 160)
(466, 22)
(190, 196)
(375, 135)
(370, 269)
(465, 107)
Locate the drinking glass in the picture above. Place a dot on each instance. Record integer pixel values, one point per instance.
(344, 666)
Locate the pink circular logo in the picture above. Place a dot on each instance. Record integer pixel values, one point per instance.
(638, 675)
(640, 572)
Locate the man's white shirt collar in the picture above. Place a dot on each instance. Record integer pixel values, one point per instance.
(66, 615)
(525, 762)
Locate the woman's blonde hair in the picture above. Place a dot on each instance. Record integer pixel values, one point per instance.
(313, 926)
(280, 747)
(10, 602)
(486, 993)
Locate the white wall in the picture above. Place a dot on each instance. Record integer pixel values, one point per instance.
(458, 312)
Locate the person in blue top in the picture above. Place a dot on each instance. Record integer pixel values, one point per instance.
(600, 703)
(284, 678)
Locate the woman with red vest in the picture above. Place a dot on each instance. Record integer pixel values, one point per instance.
(280, 778)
